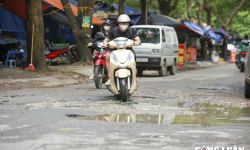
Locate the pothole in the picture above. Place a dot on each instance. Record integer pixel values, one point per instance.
(203, 115)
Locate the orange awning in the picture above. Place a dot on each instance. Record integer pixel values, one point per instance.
(58, 4)
(17, 7)
(97, 21)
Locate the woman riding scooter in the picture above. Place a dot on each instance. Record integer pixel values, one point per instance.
(107, 25)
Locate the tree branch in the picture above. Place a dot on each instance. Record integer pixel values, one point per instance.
(235, 12)
(205, 2)
(197, 2)
(175, 4)
(218, 17)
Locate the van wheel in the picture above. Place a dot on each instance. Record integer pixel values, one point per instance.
(173, 69)
(139, 72)
(247, 90)
(162, 70)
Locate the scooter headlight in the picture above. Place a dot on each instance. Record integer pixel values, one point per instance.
(121, 43)
(125, 64)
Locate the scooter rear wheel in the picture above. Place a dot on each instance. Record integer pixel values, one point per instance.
(124, 92)
(98, 81)
(242, 67)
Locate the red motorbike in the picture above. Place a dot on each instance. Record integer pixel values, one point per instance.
(61, 55)
(101, 73)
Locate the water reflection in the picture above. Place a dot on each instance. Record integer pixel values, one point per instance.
(212, 115)
(204, 114)
(135, 118)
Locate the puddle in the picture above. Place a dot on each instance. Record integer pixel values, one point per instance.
(203, 115)
(213, 115)
(134, 118)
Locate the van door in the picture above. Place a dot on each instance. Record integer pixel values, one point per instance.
(164, 45)
(170, 44)
(175, 42)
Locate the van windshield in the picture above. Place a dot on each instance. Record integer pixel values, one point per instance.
(150, 35)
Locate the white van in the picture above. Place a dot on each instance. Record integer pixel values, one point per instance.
(158, 51)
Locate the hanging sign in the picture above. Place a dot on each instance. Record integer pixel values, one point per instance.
(86, 21)
(100, 14)
(182, 55)
(113, 14)
(191, 55)
(233, 55)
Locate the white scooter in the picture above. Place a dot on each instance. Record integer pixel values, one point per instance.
(122, 67)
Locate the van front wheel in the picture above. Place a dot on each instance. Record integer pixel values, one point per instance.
(162, 70)
(173, 69)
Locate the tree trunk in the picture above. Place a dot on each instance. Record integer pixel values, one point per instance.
(189, 6)
(200, 12)
(34, 17)
(144, 11)
(224, 49)
(89, 12)
(83, 53)
(208, 9)
(81, 4)
(209, 17)
(204, 49)
(165, 6)
(121, 6)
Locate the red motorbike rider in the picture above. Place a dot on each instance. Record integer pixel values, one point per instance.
(107, 25)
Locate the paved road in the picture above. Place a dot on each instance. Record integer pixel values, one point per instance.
(185, 111)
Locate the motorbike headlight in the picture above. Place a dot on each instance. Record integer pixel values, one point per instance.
(125, 64)
(94, 54)
(120, 43)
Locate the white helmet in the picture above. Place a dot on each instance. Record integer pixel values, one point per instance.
(123, 18)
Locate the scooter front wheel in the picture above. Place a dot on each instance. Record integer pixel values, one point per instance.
(124, 92)
(98, 80)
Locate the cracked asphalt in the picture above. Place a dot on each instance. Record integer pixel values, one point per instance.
(188, 110)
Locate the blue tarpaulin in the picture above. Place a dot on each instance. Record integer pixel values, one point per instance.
(221, 31)
(202, 31)
(212, 35)
(10, 22)
(134, 14)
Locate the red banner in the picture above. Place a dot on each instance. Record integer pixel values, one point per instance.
(191, 55)
(182, 55)
(233, 55)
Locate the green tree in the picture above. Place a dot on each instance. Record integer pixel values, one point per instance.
(225, 11)
(241, 25)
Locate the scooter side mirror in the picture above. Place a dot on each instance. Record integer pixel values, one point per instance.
(87, 36)
(139, 32)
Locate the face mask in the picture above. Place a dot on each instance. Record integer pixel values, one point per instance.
(106, 28)
(123, 27)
